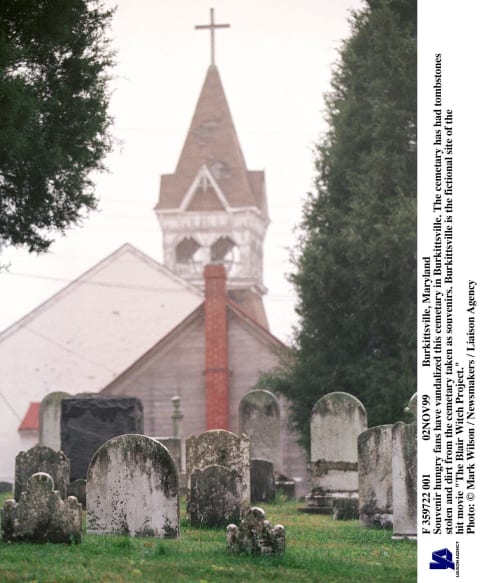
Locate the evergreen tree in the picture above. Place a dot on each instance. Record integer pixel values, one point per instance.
(54, 59)
(355, 265)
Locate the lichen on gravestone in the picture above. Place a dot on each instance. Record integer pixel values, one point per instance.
(255, 535)
(41, 515)
(41, 458)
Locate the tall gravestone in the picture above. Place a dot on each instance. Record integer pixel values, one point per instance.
(132, 488)
(49, 419)
(42, 459)
(404, 480)
(262, 481)
(89, 421)
(218, 465)
(336, 422)
(259, 419)
(375, 476)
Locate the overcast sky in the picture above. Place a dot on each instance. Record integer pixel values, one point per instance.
(275, 64)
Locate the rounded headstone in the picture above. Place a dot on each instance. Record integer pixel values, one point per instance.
(49, 418)
(132, 488)
(259, 418)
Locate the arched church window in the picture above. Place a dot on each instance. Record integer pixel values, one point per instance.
(187, 251)
(224, 251)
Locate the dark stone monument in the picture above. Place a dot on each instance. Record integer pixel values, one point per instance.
(42, 459)
(78, 488)
(89, 421)
(215, 496)
(262, 480)
(5, 487)
(345, 509)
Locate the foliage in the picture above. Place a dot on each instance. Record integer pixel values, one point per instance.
(355, 266)
(317, 549)
(54, 62)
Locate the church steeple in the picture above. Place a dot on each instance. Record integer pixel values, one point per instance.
(212, 209)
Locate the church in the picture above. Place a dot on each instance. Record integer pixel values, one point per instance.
(193, 327)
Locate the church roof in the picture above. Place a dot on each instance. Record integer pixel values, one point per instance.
(166, 342)
(94, 328)
(30, 422)
(213, 142)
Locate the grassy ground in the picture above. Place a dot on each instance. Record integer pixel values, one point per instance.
(317, 549)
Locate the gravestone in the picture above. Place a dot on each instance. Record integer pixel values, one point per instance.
(49, 418)
(89, 421)
(6, 487)
(259, 419)
(375, 476)
(132, 488)
(336, 422)
(255, 535)
(411, 409)
(174, 446)
(222, 448)
(42, 459)
(215, 496)
(285, 486)
(262, 481)
(345, 509)
(41, 515)
(219, 448)
(78, 488)
(404, 480)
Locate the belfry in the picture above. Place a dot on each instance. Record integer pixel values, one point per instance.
(212, 209)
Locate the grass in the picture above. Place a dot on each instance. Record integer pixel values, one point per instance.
(317, 549)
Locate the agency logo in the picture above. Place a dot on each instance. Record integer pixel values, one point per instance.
(442, 559)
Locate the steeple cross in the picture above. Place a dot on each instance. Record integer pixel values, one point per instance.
(212, 26)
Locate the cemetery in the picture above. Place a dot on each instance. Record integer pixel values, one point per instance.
(99, 480)
(228, 521)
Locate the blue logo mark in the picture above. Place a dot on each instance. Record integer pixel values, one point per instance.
(442, 559)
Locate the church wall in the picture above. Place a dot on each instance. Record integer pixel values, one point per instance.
(249, 356)
(174, 370)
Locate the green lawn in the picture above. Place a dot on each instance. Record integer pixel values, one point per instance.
(317, 549)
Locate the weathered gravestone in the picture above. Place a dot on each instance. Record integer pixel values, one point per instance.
(259, 419)
(174, 446)
(262, 481)
(78, 488)
(255, 535)
(41, 515)
(132, 488)
(49, 419)
(337, 421)
(215, 496)
(42, 459)
(375, 476)
(404, 480)
(91, 420)
(218, 448)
